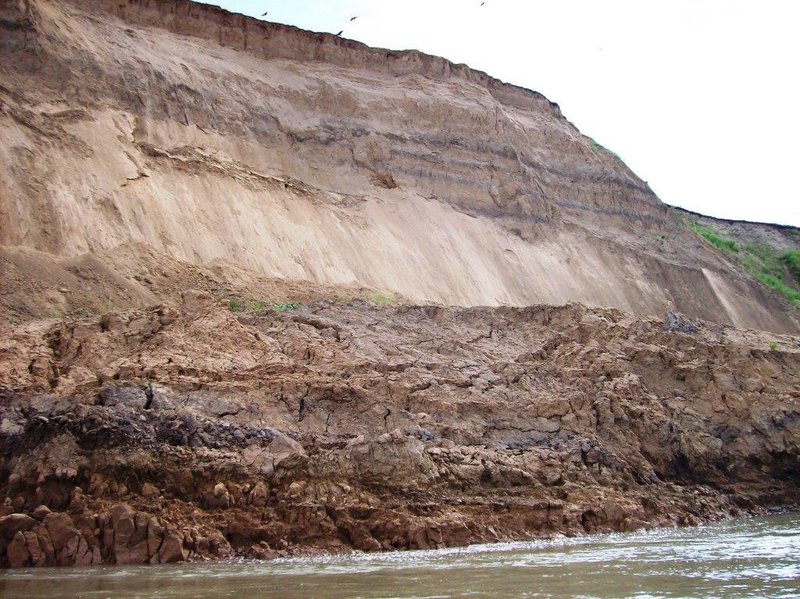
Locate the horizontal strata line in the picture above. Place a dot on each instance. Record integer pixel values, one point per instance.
(262, 38)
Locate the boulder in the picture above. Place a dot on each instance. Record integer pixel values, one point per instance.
(37, 555)
(40, 513)
(123, 395)
(172, 549)
(259, 495)
(13, 523)
(287, 454)
(17, 552)
(392, 459)
(68, 543)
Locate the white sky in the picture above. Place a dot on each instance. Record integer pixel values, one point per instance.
(701, 98)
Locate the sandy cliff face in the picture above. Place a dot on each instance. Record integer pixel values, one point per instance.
(194, 207)
(210, 137)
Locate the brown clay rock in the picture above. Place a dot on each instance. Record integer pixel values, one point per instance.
(391, 459)
(172, 549)
(549, 420)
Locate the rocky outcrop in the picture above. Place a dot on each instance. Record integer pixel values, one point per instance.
(311, 192)
(208, 137)
(119, 536)
(190, 432)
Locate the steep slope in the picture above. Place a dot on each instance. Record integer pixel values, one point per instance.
(213, 231)
(209, 138)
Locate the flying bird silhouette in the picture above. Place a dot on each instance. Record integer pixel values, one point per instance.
(340, 33)
(265, 14)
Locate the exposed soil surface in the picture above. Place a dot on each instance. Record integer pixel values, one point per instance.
(240, 271)
(182, 432)
(209, 138)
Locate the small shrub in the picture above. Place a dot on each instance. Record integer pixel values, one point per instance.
(247, 305)
(600, 149)
(595, 146)
(286, 307)
(382, 300)
(773, 346)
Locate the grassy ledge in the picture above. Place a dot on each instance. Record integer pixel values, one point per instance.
(779, 272)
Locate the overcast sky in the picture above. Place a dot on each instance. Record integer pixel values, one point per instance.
(701, 98)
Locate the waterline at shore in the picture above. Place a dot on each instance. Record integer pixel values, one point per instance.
(743, 558)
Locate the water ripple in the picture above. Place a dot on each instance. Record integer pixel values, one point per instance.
(746, 558)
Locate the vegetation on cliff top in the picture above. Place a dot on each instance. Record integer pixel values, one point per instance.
(778, 271)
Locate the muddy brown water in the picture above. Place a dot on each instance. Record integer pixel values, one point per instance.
(758, 557)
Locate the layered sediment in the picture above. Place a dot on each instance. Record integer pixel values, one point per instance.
(268, 292)
(214, 137)
(188, 432)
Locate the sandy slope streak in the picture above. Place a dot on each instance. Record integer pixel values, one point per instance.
(338, 426)
(209, 136)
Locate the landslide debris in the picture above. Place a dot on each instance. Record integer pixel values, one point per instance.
(189, 431)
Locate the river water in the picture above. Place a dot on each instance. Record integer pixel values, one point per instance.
(746, 558)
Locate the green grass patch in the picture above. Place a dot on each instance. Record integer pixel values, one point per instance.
(241, 305)
(286, 307)
(769, 261)
(726, 245)
(382, 300)
(779, 272)
(792, 294)
(792, 262)
(236, 306)
(246, 305)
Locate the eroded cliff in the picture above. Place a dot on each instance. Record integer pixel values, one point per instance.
(214, 232)
(174, 433)
(213, 137)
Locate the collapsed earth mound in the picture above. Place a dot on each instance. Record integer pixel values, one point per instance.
(171, 433)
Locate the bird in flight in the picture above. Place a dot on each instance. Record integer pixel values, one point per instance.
(340, 33)
(482, 3)
(265, 14)
(353, 19)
